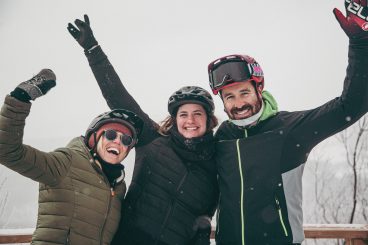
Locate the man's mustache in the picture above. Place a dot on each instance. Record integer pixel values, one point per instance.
(244, 107)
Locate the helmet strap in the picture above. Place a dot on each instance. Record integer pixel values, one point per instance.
(95, 140)
(93, 149)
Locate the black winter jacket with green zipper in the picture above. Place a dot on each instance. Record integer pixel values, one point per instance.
(260, 168)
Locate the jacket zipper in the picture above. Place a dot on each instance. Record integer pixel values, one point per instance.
(280, 215)
(217, 217)
(107, 213)
(242, 212)
(171, 205)
(112, 191)
(68, 238)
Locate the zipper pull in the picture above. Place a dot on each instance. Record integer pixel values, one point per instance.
(112, 188)
(245, 133)
(277, 204)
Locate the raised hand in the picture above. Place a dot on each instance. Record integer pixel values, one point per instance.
(82, 33)
(36, 86)
(355, 24)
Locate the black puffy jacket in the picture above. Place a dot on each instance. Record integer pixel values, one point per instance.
(171, 186)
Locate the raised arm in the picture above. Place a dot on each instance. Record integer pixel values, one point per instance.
(355, 25)
(108, 80)
(318, 124)
(47, 168)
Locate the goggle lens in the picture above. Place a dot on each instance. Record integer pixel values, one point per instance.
(234, 71)
(125, 139)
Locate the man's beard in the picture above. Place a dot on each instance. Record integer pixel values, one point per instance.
(252, 108)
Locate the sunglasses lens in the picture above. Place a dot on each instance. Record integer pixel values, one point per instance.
(110, 134)
(126, 140)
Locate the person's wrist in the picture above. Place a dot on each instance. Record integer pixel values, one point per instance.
(89, 50)
(358, 42)
(89, 43)
(21, 95)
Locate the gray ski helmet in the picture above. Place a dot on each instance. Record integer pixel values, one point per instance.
(117, 116)
(191, 94)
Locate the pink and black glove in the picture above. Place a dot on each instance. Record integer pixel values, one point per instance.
(83, 35)
(355, 24)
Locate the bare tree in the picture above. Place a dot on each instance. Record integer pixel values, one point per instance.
(355, 141)
(339, 191)
(325, 202)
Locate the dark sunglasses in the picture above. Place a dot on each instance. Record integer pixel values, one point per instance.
(231, 69)
(111, 135)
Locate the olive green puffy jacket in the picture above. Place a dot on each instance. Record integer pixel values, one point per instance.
(75, 201)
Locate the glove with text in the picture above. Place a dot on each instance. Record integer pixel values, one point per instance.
(83, 33)
(35, 87)
(355, 24)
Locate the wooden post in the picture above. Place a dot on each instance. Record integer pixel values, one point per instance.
(359, 242)
(15, 239)
(353, 234)
(15, 235)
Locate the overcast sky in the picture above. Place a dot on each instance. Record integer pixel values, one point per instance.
(159, 46)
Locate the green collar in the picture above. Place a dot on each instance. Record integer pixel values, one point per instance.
(270, 106)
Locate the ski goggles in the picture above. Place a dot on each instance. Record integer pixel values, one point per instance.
(111, 135)
(231, 69)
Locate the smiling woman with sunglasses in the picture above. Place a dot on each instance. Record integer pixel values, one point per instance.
(174, 190)
(81, 185)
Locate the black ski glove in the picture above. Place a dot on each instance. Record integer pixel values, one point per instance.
(35, 87)
(84, 34)
(355, 23)
(202, 226)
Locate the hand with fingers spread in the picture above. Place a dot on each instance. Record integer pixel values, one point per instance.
(355, 24)
(82, 32)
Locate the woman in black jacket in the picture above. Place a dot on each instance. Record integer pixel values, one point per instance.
(174, 190)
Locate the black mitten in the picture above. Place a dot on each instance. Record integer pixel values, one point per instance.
(35, 87)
